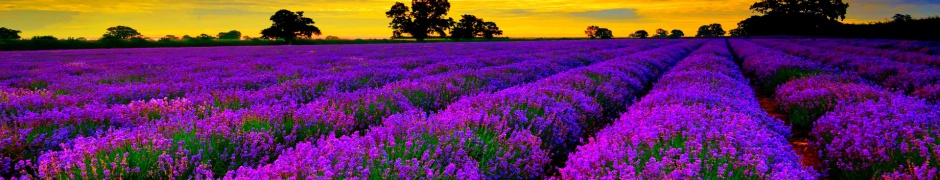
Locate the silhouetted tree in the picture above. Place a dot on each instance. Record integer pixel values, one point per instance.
(490, 29)
(43, 38)
(661, 33)
(899, 18)
(676, 33)
(591, 31)
(188, 38)
(832, 9)
(331, 38)
(233, 34)
(169, 38)
(120, 32)
(289, 26)
(604, 33)
(737, 32)
(9, 33)
(425, 17)
(205, 37)
(794, 24)
(470, 27)
(711, 30)
(794, 17)
(640, 34)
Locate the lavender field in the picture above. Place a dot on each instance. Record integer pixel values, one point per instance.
(575, 109)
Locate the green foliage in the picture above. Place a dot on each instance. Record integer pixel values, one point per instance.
(769, 85)
(710, 164)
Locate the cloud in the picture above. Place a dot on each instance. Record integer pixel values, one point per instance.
(226, 12)
(608, 14)
(34, 19)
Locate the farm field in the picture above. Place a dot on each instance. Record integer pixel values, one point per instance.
(752, 108)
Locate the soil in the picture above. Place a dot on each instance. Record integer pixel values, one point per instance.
(799, 139)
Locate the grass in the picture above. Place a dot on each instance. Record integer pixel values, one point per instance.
(784, 75)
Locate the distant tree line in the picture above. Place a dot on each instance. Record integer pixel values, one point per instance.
(822, 18)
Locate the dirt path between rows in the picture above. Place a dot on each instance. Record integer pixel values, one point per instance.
(799, 139)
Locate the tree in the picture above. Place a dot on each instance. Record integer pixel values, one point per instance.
(490, 29)
(289, 25)
(7, 34)
(899, 18)
(331, 38)
(233, 34)
(676, 33)
(169, 38)
(711, 30)
(640, 34)
(120, 32)
(425, 17)
(205, 37)
(44, 38)
(470, 27)
(831, 9)
(604, 33)
(661, 33)
(795, 17)
(591, 31)
(738, 32)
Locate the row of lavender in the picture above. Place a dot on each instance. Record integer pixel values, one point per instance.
(147, 111)
(893, 54)
(861, 130)
(513, 133)
(701, 121)
(203, 143)
(915, 79)
(80, 78)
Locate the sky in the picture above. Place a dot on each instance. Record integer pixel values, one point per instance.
(366, 18)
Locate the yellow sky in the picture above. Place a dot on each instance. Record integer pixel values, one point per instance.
(366, 18)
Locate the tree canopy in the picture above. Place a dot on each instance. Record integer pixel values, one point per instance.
(661, 33)
(591, 31)
(737, 32)
(490, 30)
(675, 33)
(9, 33)
(425, 17)
(120, 32)
(595, 32)
(831, 9)
(233, 34)
(289, 25)
(711, 30)
(640, 34)
(470, 27)
(902, 18)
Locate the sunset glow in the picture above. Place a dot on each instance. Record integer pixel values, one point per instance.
(366, 18)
